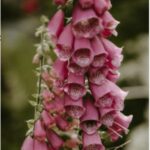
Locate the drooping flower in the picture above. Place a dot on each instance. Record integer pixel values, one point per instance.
(39, 131)
(76, 69)
(101, 6)
(47, 119)
(75, 87)
(85, 22)
(28, 143)
(92, 142)
(86, 3)
(100, 54)
(57, 105)
(74, 108)
(90, 120)
(83, 54)
(55, 26)
(65, 43)
(54, 139)
(61, 123)
(120, 125)
(110, 96)
(59, 2)
(96, 76)
(109, 24)
(38, 145)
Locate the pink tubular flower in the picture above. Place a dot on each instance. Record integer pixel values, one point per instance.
(73, 108)
(85, 22)
(54, 139)
(39, 131)
(47, 95)
(56, 105)
(120, 125)
(109, 24)
(110, 96)
(61, 123)
(55, 26)
(75, 86)
(101, 6)
(96, 76)
(107, 116)
(59, 2)
(28, 144)
(76, 69)
(47, 119)
(65, 43)
(47, 78)
(86, 3)
(38, 145)
(82, 55)
(100, 54)
(92, 142)
(115, 57)
(90, 120)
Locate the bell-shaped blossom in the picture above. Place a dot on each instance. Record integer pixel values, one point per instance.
(110, 96)
(39, 131)
(85, 22)
(62, 123)
(28, 143)
(55, 26)
(109, 24)
(47, 119)
(90, 120)
(76, 69)
(57, 105)
(54, 139)
(73, 108)
(86, 3)
(113, 75)
(83, 54)
(38, 145)
(75, 86)
(115, 57)
(65, 43)
(92, 142)
(47, 95)
(100, 54)
(96, 76)
(107, 116)
(59, 2)
(120, 125)
(101, 6)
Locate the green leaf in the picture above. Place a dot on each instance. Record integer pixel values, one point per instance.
(44, 19)
(29, 132)
(33, 103)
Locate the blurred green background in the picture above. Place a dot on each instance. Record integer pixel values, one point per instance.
(19, 20)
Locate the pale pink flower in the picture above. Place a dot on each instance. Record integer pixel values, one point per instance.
(85, 22)
(83, 54)
(75, 86)
(39, 131)
(47, 119)
(90, 120)
(61, 123)
(28, 143)
(54, 139)
(92, 142)
(47, 95)
(100, 54)
(110, 95)
(65, 43)
(73, 108)
(120, 125)
(38, 145)
(55, 26)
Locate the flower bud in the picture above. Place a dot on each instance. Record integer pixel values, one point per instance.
(86, 3)
(28, 144)
(38, 145)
